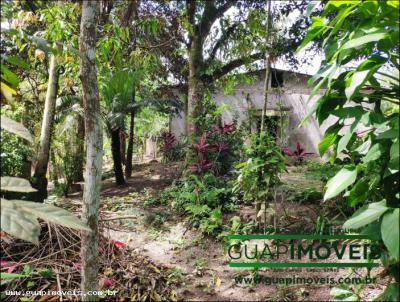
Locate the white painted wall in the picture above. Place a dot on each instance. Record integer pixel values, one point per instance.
(295, 95)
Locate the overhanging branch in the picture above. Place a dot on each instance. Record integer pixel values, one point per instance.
(224, 37)
(211, 14)
(218, 73)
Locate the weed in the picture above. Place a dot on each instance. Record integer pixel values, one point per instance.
(200, 266)
(307, 195)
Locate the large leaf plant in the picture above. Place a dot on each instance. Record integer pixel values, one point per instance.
(360, 75)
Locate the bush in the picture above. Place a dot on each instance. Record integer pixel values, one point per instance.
(67, 165)
(14, 154)
(203, 199)
(261, 171)
(321, 171)
(219, 146)
(173, 149)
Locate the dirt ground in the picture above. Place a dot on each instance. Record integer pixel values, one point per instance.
(202, 263)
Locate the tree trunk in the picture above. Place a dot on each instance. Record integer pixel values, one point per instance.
(94, 149)
(53, 169)
(186, 114)
(267, 69)
(80, 149)
(122, 139)
(129, 155)
(40, 180)
(116, 154)
(195, 86)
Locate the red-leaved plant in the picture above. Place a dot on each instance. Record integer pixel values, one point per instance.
(227, 128)
(201, 147)
(212, 150)
(168, 144)
(200, 167)
(298, 154)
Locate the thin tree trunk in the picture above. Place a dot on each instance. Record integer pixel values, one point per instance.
(116, 154)
(129, 155)
(122, 139)
(80, 149)
(94, 149)
(267, 69)
(195, 85)
(186, 114)
(53, 169)
(40, 180)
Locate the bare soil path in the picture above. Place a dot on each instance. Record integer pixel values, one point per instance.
(201, 263)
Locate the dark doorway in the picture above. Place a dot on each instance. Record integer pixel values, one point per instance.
(276, 78)
(271, 124)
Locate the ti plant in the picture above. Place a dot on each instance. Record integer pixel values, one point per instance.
(365, 100)
(299, 154)
(19, 218)
(168, 144)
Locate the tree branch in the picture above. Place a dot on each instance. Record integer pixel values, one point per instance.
(220, 42)
(219, 72)
(212, 13)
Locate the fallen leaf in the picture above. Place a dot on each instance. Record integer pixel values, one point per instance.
(155, 296)
(118, 243)
(9, 266)
(76, 265)
(174, 296)
(218, 282)
(108, 271)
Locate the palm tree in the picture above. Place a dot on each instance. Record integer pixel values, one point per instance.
(120, 98)
(117, 94)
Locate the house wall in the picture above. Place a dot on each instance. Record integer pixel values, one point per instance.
(294, 95)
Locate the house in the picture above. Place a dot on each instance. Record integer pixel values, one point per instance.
(288, 104)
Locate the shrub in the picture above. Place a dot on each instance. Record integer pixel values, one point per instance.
(13, 154)
(220, 144)
(172, 148)
(203, 199)
(298, 154)
(216, 150)
(261, 171)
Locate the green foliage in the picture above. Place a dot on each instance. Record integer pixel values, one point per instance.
(370, 138)
(344, 178)
(67, 163)
(220, 144)
(261, 171)
(13, 154)
(306, 195)
(203, 199)
(345, 293)
(16, 128)
(117, 93)
(19, 218)
(15, 184)
(156, 219)
(212, 223)
(321, 171)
